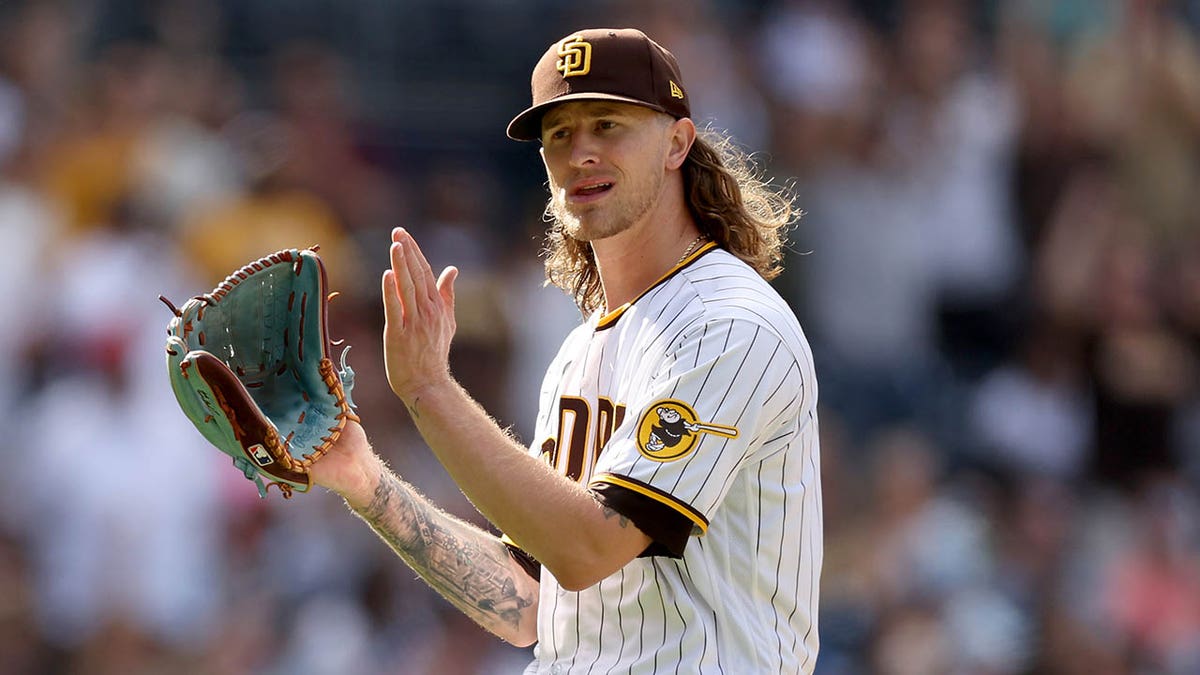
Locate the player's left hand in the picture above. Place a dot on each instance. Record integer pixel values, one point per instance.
(252, 366)
(419, 319)
(350, 467)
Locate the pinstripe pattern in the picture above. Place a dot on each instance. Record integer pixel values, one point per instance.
(743, 597)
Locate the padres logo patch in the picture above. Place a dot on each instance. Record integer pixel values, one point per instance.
(574, 57)
(669, 430)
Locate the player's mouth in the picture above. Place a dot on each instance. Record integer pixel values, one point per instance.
(589, 190)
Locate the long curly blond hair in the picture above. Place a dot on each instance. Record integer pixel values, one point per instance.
(730, 200)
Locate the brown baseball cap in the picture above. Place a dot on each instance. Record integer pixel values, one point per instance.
(606, 64)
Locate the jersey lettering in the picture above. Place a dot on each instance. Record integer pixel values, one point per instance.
(576, 427)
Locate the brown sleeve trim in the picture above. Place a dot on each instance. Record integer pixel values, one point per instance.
(649, 491)
(667, 526)
(527, 562)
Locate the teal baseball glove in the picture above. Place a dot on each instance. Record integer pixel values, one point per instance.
(250, 366)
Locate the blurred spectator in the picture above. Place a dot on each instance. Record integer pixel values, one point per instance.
(1034, 517)
(39, 55)
(953, 119)
(1050, 146)
(817, 66)
(89, 169)
(273, 214)
(911, 641)
(183, 160)
(866, 287)
(120, 504)
(317, 102)
(915, 254)
(1154, 590)
(909, 562)
(1098, 275)
(1033, 415)
(1142, 371)
(31, 227)
(1134, 92)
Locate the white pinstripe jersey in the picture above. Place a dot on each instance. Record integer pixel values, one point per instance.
(691, 411)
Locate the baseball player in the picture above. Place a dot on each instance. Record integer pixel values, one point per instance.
(667, 517)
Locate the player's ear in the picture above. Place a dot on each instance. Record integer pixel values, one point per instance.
(682, 133)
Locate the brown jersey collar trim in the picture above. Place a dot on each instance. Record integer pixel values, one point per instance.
(609, 320)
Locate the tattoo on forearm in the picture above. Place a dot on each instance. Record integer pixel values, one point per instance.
(379, 502)
(610, 514)
(476, 577)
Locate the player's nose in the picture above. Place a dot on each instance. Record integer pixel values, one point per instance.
(584, 150)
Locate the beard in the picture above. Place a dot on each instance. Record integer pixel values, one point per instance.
(613, 216)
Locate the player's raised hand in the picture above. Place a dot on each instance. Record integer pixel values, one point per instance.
(419, 319)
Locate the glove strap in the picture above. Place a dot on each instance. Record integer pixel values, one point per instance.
(251, 473)
(346, 375)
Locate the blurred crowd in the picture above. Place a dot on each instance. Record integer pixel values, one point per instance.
(998, 268)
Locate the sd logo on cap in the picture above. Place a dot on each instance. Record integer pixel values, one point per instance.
(607, 64)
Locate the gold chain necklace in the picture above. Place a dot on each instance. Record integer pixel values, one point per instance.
(691, 247)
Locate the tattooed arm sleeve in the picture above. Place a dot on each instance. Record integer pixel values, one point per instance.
(466, 565)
